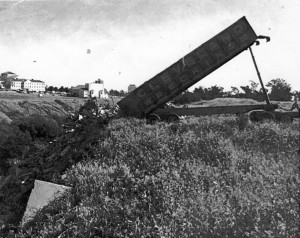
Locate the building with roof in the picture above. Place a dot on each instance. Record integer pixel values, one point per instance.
(1, 83)
(96, 89)
(131, 87)
(8, 75)
(16, 84)
(31, 85)
(75, 90)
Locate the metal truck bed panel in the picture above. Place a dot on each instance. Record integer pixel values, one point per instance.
(189, 70)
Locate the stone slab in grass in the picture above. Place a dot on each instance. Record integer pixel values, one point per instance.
(42, 193)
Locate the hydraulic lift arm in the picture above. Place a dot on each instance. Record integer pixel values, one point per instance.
(258, 73)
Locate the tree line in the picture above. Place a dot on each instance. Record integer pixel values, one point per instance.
(277, 89)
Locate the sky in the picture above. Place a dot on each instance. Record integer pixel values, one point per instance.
(72, 42)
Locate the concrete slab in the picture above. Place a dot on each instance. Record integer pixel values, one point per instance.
(42, 193)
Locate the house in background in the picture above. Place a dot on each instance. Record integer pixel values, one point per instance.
(8, 75)
(75, 90)
(33, 85)
(131, 87)
(96, 89)
(17, 84)
(1, 83)
(83, 92)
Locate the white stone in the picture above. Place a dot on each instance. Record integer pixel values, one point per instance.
(41, 195)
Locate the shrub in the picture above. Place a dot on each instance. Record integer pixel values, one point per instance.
(39, 127)
(206, 178)
(13, 144)
(16, 140)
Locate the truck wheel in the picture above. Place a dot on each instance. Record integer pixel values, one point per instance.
(152, 119)
(260, 116)
(173, 118)
(268, 116)
(253, 117)
(286, 119)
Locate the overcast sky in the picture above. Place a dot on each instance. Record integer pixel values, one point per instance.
(71, 42)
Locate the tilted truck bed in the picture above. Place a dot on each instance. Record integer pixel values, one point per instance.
(189, 69)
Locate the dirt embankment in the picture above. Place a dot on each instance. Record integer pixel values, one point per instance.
(15, 106)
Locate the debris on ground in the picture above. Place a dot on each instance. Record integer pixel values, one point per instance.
(81, 130)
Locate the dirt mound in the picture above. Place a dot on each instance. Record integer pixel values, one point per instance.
(14, 106)
(226, 102)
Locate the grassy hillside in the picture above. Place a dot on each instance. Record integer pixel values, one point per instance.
(15, 106)
(210, 177)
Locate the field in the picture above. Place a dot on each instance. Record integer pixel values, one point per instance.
(219, 176)
(209, 177)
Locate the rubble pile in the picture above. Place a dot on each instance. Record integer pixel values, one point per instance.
(81, 130)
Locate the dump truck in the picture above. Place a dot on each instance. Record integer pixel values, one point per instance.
(147, 100)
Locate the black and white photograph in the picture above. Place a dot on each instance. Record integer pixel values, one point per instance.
(149, 118)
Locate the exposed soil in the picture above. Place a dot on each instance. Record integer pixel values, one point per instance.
(15, 106)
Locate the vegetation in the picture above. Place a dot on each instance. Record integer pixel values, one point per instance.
(56, 89)
(117, 93)
(279, 90)
(210, 177)
(22, 137)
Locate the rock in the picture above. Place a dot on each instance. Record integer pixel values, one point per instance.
(41, 195)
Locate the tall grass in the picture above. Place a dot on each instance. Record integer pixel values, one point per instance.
(212, 177)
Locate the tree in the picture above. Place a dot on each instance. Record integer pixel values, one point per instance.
(186, 97)
(199, 91)
(247, 91)
(214, 92)
(280, 90)
(61, 89)
(209, 93)
(7, 83)
(234, 91)
(254, 86)
(122, 93)
(113, 92)
(50, 88)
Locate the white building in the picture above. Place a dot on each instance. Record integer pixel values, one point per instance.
(16, 84)
(34, 85)
(1, 83)
(26, 84)
(96, 89)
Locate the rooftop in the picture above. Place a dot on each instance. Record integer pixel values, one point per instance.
(18, 80)
(37, 81)
(8, 72)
